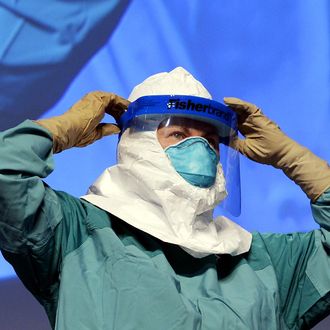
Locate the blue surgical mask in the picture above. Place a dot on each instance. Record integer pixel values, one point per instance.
(195, 160)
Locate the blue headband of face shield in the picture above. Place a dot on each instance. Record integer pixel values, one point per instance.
(199, 108)
(152, 108)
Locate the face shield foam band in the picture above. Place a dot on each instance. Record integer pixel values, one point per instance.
(199, 108)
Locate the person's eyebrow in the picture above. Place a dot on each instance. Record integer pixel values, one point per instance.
(184, 128)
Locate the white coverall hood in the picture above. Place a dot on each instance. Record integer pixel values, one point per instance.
(145, 190)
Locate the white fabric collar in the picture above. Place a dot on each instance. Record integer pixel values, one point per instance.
(144, 190)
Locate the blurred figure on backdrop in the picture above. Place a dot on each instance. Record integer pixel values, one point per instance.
(141, 250)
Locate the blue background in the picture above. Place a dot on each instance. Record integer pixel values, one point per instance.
(274, 54)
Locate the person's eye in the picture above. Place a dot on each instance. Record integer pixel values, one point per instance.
(178, 135)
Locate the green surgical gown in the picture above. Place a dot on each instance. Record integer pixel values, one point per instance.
(91, 270)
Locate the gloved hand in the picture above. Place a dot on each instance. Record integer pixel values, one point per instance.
(265, 143)
(80, 125)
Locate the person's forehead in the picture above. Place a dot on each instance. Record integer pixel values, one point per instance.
(189, 123)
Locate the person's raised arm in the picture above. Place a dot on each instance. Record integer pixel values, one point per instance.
(301, 261)
(265, 143)
(38, 225)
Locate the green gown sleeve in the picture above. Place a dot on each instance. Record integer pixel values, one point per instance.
(38, 226)
(301, 262)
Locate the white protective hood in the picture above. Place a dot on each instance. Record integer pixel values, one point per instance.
(144, 189)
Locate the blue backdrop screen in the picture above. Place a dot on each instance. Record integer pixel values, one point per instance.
(274, 54)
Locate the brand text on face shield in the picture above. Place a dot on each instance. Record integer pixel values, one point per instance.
(198, 107)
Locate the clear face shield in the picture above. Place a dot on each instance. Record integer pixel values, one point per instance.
(195, 133)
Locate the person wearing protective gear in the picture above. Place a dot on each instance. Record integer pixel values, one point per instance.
(141, 250)
(163, 185)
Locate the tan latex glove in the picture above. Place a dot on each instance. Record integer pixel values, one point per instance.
(81, 124)
(265, 143)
